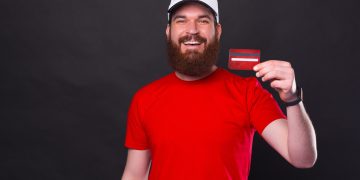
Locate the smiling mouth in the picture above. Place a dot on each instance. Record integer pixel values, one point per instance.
(191, 43)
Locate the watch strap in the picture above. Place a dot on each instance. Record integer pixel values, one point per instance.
(299, 95)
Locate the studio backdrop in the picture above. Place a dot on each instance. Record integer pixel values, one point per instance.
(68, 70)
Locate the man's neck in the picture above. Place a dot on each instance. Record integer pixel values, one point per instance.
(194, 78)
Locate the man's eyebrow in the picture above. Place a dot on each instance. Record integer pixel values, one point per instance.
(184, 17)
(179, 17)
(204, 16)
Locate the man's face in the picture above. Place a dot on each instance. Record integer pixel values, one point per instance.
(193, 40)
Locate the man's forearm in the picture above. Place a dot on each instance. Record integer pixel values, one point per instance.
(301, 137)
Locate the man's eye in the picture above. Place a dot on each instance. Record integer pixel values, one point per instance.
(204, 21)
(180, 21)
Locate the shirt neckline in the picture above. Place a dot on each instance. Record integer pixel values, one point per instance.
(205, 79)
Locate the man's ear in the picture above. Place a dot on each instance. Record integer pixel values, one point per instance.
(167, 31)
(219, 31)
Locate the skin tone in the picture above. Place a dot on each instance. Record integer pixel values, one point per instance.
(294, 139)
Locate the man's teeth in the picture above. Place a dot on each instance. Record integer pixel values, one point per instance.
(192, 43)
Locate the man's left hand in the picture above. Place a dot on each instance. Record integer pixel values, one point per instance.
(281, 76)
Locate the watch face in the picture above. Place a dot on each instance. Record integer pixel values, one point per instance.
(299, 92)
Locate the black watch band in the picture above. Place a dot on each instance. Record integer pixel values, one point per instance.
(299, 95)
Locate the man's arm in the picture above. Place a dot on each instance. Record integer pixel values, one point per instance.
(295, 137)
(137, 165)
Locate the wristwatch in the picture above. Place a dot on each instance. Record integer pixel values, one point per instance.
(299, 95)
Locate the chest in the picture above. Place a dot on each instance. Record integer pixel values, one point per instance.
(197, 119)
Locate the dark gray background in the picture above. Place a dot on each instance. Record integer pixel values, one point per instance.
(68, 70)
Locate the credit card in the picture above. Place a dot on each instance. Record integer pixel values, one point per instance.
(243, 59)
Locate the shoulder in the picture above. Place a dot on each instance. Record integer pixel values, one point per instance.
(152, 90)
(239, 80)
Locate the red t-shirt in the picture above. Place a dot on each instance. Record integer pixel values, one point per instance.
(201, 129)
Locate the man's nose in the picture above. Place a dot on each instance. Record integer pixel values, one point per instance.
(192, 28)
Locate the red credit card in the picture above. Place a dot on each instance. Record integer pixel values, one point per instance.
(243, 59)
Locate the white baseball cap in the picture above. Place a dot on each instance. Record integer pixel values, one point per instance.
(211, 4)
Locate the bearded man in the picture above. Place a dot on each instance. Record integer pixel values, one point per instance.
(198, 122)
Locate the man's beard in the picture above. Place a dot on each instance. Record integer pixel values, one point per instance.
(193, 63)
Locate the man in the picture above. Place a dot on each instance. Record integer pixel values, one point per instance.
(198, 122)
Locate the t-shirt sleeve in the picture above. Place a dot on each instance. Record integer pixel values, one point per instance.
(135, 137)
(262, 107)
